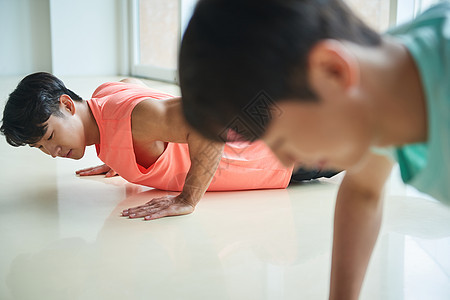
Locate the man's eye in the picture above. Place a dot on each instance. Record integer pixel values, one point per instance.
(51, 136)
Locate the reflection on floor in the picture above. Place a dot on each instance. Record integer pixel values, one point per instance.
(63, 237)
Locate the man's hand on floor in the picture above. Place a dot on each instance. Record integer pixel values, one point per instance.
(103, 169)
(160, 207)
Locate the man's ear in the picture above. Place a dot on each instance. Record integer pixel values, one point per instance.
(66, 103)
(332, 65)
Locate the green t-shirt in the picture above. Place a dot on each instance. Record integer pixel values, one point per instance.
(427, 166)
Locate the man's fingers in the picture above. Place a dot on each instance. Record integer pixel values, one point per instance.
(86, 173)
(138, 214)
(146, 209)
(133, 210)
(140, 207)
(170, 211)
(111, 173)
(136, 209)
(158, 208)
(144, 213)
(157, 200)
(157, 215)
(150, 204)
(83, 170)
(93, 170)
(160, 212)
(88, 169)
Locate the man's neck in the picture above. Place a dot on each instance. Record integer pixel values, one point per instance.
(91, 131)
(392, 83)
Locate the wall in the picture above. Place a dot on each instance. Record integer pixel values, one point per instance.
(65, 37)
(87, 37)
(24, 37)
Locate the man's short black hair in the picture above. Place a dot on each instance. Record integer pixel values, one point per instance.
(30, 105)
(238, 57)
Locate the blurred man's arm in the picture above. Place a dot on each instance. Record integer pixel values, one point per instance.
(358, 215)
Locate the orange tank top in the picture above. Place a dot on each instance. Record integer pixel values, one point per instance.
(244, 166)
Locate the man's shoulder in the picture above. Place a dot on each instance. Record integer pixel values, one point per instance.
(107, 88)
(112, 101)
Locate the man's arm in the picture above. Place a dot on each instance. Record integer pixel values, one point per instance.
(205, 157)
(358, 215)
(164, 119)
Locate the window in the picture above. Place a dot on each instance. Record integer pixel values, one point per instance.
(157, 27)
(382, 14)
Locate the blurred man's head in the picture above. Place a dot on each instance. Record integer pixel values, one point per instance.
(241, 59)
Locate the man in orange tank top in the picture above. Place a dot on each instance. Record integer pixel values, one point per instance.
(141, 134)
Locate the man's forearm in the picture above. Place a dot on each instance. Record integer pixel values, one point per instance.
(205, 158)
(356, 227)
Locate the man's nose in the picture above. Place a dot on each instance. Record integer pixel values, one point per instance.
(53, 150)
(56, 151)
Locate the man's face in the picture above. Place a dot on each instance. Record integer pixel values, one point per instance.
(319, 135)
(337, 130)
(64, 137)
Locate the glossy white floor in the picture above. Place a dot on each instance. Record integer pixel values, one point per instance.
(62, 237)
